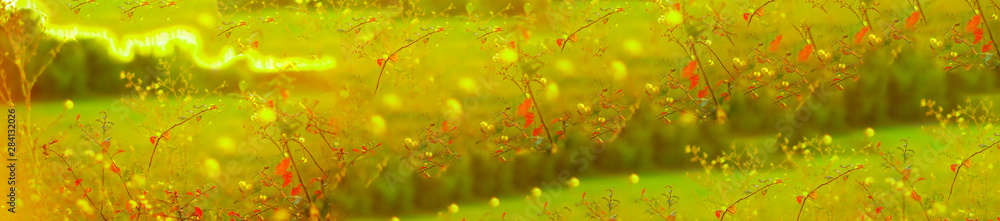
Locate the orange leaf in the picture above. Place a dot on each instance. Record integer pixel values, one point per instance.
(731, 209)
(775, 43)
(393, 57)
(813, 195)
(915, 196)
(861, 35)
(912, 20)
(805, 52)
(528, 119)
(525, 107)
(967, 163)
(287, 179)
(906, 173)
(282, 167)
(444, 126)
(973, 24)
(572, 38)
(979, 35)
(689, 69)
(114, 168)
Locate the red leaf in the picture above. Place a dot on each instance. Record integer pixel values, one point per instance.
(988, 47)
(861, 35)
(775, 43)
(973, 24)
(878, 210)
(979, 35)
(380, 60)
(296, 190)
(912, 20)
(688, 73)
(254, 44)
(689, 69)
(78, 182)
(537, 131)
(702, 93)
(746, 17)
(954, 168)
(915, 196)
(282, 167)
(152, 140)
(718, 214)
(197, 212)
(114, 168)
(694, 81)
(559, 42)
(799, 199)
(444, 126)
(528, 119)
(525, 107)
(287, 179)
(804, 54)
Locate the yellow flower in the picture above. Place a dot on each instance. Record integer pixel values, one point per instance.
(494, 202)
(869, 132)
(536, 192)
(453, 208)
(634, 178)
(68, 104)
(573, 182)
(827, 139)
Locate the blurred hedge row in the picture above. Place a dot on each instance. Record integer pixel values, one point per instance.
(889, 91)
